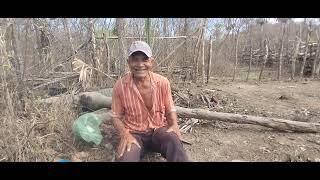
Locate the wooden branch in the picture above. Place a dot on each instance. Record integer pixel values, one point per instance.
(170, 54)
(55, 80)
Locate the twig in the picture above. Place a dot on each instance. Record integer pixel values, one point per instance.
(170, 54)
(55, 80)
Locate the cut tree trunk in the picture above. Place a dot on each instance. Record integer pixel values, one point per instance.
(95, 101)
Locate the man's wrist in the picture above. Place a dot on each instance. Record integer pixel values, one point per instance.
(124, 132)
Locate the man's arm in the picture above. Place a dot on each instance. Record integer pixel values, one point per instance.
(126, 139)
(170, 111)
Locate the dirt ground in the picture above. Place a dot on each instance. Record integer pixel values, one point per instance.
(221, 141)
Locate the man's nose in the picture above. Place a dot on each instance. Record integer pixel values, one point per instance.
(139, 63)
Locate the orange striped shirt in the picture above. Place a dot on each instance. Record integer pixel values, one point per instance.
(128, 105)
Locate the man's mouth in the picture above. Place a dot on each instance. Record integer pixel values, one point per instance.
(140, 70)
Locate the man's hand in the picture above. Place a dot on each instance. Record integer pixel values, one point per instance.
(125, 143)
(175, 129)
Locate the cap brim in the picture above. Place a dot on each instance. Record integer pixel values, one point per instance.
(147, 54)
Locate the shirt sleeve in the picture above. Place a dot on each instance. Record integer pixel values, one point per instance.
(168, 101)
(117, 105)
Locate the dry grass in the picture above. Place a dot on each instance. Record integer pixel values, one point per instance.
(37, 134)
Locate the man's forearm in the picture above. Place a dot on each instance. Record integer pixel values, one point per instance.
(119, 126)
(172, 118)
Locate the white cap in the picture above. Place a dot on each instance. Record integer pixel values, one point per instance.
(140, 46)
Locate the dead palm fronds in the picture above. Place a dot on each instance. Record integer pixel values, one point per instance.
(85, 70)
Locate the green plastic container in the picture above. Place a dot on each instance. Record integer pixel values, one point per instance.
(86, 127)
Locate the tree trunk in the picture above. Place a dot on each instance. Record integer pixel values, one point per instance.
(38, 47)
(120, 23)
(236, 55)
(27, 48)
(203, 47)
(306, 51)
(294, 58)
(264, 59)
(195, 58)
(209, 60)
(107, 50)
(250, 45)
(316, 58)
(185, 53)
(165, 34)
(67, 32)
(147, 30)
(95, 101)
(281, 51)
(197, 54)
(12, 52)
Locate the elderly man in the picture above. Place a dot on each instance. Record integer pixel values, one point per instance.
(143, 110)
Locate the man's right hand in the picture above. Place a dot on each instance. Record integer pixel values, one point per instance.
(126, 140)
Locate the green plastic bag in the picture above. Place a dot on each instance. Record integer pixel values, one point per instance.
(87, 128)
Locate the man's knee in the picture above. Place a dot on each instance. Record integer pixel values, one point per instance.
(162, 135)
(131, 156)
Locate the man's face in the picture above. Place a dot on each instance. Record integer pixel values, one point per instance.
(140, 64)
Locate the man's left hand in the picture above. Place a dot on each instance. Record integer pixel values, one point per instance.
(175, 129)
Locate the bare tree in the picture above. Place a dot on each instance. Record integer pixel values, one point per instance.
(120, 23)
(203, 47)
(186, 29)
(13, 55)
(294, 58)
(283, 28)
(209, 60)
(196, 56)
(306, 49)
(250, 49)
(238, 25)
(316, 58)
(265, 58)
(26, 47)
(67, 32)
(108, 53)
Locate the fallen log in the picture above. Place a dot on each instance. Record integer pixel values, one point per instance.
(275, 123)
(97, 97)
(95, 101)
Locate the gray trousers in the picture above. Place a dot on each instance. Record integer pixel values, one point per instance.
(166, 143)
